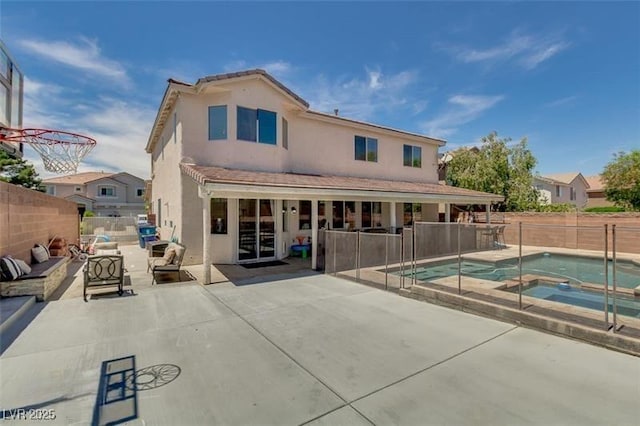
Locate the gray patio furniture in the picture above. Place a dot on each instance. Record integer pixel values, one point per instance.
(171, 261)
(103, 271)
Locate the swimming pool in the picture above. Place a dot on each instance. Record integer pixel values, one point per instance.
(579, 297)
(573, 269)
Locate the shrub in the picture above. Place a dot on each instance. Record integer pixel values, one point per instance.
(605, 209)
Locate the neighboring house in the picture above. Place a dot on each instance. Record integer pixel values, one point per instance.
(595, 193)
(105, 194)
(241, 167)
(570, 188)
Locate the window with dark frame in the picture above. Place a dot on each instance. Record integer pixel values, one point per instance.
(365, 149)
(371, 214)
(217, 122)
(218, 215)
(412, 213)
(257, 125)
(412, 156)
(304, 215)
(285, 133)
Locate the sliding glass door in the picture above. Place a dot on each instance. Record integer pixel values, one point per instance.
(256, 229)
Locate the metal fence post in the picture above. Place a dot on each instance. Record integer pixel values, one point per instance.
(402, 258)
(615, 305)
(520, 265)
(335, 269)
(358, 256)
(606, 277)
(386, 261)
(413, 253)
(459, 262)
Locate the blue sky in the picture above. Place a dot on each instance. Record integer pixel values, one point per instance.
(566, 75)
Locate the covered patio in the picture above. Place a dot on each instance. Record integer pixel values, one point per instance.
(330, 202)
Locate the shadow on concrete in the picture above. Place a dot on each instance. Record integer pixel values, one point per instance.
(173, 277)
(14, 330)
(22, 413)
(73, 268)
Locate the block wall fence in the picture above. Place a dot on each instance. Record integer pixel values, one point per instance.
(29, 217)
(575, 230)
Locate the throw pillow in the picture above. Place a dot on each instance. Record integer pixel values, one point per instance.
(26, 269)
(10, 269)
(46, 248)
(39, 254)
(169, 255)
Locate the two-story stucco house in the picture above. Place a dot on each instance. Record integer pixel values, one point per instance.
(105, 194)
(568, 188)
(241, 167)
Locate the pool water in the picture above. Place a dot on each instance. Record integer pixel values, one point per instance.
(573, 269)
(579, 297)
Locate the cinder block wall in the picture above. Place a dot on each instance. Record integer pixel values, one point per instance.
(575, 230)
(28, 217)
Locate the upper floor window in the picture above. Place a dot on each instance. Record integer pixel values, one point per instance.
(558, 191)
(139, 192)
(51, 190)
(572, 194)
(366, 149)
(285, 133)
(412, 156)
(78, 189)
(257, 125)
(217, 122)
(106, 191)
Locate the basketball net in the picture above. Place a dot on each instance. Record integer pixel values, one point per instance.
(61, 152)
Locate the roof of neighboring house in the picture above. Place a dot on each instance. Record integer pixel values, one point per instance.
(563, 178)
(78, 178)
(170, 96)
(595, 183)
(85, 177)
(69, 197)
(211, 174)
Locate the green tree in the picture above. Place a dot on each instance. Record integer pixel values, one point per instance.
(621, 178)
(19, 172)
(497, 168)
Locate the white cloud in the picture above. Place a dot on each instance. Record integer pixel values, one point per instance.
(461, 109)
(363, 97)
(561, 101)
(121, 128)
(528, 51)
(85, 56)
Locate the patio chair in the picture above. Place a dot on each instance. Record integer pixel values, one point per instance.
(104, 270)
(500, 236)
(171, 261)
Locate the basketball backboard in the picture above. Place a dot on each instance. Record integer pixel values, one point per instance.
(11, 98)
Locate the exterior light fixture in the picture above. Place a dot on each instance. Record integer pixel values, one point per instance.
(293, 210)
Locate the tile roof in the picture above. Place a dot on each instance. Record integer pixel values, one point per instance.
(565, 178)
(211, 174)
(78, 178)
(595, 183)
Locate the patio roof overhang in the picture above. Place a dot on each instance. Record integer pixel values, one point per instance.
(233, 183)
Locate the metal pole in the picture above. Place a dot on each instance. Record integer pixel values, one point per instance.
(520, 265)
(615, 305)
(335, 269)
(402, 259)
(606, 277)
(459, 262)
(358, 256)
(413, 254)
(386, 261)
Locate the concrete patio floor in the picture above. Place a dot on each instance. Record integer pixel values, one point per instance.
(312, 350)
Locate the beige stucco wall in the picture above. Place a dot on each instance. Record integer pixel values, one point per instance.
(167, 181)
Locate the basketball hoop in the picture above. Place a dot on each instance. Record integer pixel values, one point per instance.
(61, 152)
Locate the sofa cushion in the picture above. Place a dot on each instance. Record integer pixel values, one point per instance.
(10, 269)
(169, 255)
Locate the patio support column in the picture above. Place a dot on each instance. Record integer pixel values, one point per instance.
(314, 234)
(206, 238)
(392, 216)
(488, 212)
(447, 212)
